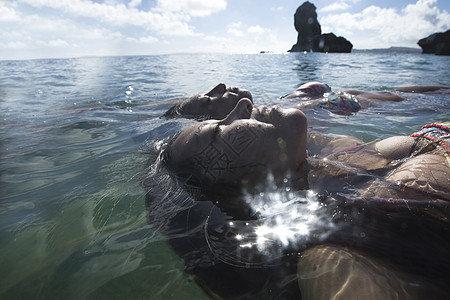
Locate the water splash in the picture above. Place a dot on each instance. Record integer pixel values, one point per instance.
(287, 219)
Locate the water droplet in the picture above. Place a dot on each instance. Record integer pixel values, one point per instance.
(29, 205)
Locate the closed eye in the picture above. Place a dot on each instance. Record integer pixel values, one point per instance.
(231, 94)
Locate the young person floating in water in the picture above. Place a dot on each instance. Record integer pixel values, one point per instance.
(218, 102)
(215, 104)
(403, 182)
(251, 142)
(248, 141)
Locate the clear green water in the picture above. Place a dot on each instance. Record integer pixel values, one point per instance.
(74, 136)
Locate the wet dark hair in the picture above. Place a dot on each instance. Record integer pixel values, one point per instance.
(177, 111)
(183, 172)
(187, 171)
(173, 112)
(227, 196)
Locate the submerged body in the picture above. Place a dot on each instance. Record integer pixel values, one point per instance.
(319, 95)
(410, 167)
(358, 184)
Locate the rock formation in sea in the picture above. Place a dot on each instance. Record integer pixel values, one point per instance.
(437, 43)
(310, 37)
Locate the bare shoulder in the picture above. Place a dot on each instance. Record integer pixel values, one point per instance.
(320, 143)
(395, 147)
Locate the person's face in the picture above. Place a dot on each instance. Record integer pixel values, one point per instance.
(216, 104)
(310, 90)
(244, 145)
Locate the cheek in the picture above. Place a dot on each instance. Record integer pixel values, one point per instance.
(220, 108)
(230, 99)
(195, 108)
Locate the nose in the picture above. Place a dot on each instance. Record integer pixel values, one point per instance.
(242, 110)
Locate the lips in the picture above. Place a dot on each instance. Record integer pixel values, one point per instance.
(266, 114)
(262, 114)
(247, 94)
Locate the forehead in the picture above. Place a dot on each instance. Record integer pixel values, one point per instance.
(220, 151)
(228, 137)
(194, 135)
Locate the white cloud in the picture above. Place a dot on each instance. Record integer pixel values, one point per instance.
(14, 45)
(35, 25)
(134, 3)
(7, 14)
(252, 39)
(335, 7)
(388, 26)
(218, 39)
(277, 8)
(160, 21)
(338, 5)
(256, 29)
(57, 43)
(92, 27)
(236, 29)
(195, 8)
(143, 40)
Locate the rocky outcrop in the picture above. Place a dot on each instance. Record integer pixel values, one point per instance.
(307, 26)
(437, 43)
(329, 42)
(310, 37)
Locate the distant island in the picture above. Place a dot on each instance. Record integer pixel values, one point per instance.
(410, 50)
(437, 43)
(389, 50)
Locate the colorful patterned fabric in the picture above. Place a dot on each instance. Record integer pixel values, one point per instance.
(342, 103)
(439, 134)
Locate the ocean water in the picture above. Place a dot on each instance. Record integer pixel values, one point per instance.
(74, 140)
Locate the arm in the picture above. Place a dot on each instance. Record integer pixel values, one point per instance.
(321, 144)
(365, 98)
(421, 88)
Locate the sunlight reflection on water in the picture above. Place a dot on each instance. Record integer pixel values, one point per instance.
(288, 218)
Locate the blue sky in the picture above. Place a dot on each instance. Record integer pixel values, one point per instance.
(72, 28)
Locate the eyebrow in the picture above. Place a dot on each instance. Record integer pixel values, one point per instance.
(215, 133)
(198, 129)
